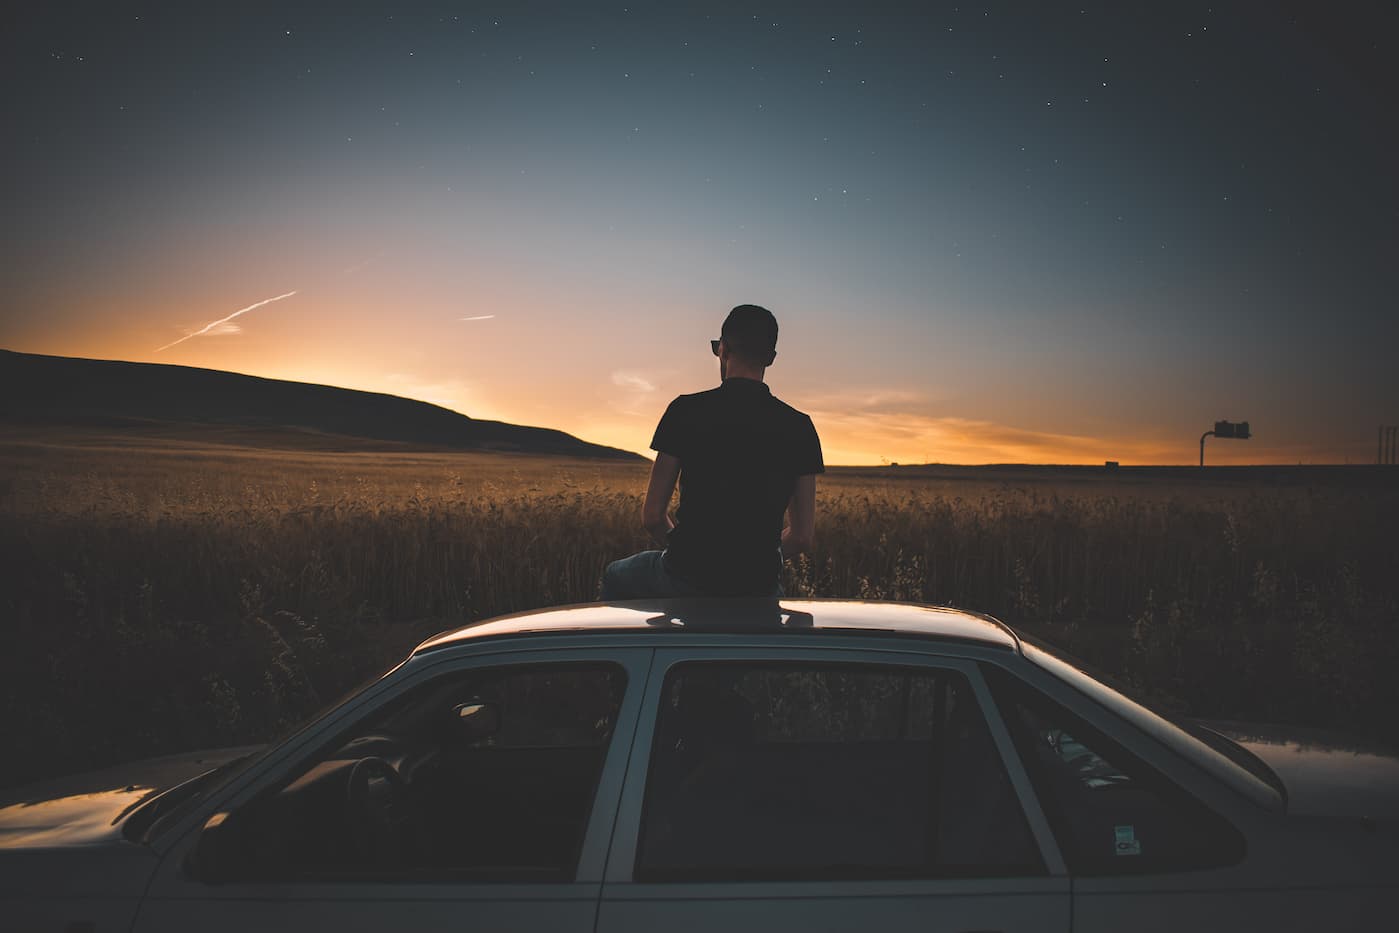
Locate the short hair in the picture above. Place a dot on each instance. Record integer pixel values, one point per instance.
(751, 333)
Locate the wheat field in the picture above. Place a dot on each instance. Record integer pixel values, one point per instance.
(162, 595)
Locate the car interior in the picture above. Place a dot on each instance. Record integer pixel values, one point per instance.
(486, 775)
(791, 773)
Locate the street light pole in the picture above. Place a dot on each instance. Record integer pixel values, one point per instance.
(1237, 430)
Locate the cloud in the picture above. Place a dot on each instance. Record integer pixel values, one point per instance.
(636, 388)
(632, 381)
(218, 327)
(866, 426)
(224, 329)
(357, 266)
(865, 399)
(479, 317)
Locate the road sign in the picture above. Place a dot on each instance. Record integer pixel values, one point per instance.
(1238, 430)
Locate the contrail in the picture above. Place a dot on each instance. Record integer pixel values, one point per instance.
(208, 327)
(479, 317)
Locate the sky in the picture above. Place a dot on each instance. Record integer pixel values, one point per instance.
(990, 232)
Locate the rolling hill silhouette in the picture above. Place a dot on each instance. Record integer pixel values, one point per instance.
(142, 397)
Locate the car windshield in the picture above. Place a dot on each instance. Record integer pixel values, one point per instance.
(1161, 728)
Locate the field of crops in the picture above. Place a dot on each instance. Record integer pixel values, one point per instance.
(173, 596)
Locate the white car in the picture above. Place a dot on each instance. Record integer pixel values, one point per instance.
(722, 765)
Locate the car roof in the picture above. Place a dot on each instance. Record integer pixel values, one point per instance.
(741, 616)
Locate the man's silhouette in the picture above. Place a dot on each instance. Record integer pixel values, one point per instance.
(744, 460)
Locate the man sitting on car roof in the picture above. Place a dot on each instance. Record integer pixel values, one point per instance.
(745, 461)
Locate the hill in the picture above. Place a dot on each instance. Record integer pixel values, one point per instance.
(153, 398)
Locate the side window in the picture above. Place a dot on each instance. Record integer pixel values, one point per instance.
(1112, 813)
(482, 774)
(822, 772)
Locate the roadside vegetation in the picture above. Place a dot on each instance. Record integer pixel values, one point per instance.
(166, 598)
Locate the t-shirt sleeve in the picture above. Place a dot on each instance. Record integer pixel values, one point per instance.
(670, 432)
(808, 450)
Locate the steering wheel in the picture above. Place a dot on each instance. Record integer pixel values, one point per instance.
(380, 816)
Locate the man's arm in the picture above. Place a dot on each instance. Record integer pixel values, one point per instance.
(655, 512)
(801, 517)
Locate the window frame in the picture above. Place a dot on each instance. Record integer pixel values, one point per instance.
(287, 761)
(623, 862)
(445, 873)
(1074, 674)
(1126, 754)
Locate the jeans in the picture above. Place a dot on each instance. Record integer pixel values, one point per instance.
(644, 576)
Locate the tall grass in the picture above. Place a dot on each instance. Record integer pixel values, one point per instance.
(159, 599)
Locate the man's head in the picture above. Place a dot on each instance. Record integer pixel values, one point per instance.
(749, 335)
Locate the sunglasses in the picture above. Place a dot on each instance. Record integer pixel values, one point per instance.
(714, 345)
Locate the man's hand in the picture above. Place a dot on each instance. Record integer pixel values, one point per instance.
(655, 511)
(797, 537)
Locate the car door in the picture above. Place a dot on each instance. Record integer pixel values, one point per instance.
(841, 790)
(518, 818)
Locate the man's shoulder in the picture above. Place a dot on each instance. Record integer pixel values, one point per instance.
(697, 404)
(791, 412)
(700, 396)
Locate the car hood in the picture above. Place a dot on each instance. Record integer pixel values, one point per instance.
(87, 809)
(1325, 774)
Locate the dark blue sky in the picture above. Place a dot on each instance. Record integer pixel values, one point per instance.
(991, 231)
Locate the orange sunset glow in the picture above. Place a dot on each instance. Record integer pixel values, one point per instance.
(560, 357)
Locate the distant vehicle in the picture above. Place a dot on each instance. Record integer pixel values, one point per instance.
(723, 765)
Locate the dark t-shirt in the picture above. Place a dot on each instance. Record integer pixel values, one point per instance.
(740, 451)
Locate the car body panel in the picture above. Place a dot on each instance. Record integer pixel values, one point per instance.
(64, 861)
(373, 908)
(59, 887)
(792, 616)
(1301, 874)
(74, 820)
(88, 809)
(1024, 905)
(1275, 909)
(1325, 774)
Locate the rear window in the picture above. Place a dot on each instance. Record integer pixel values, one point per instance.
(1220, 766)
(1113, 813)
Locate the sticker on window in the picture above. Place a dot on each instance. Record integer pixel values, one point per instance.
(1127, 841)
